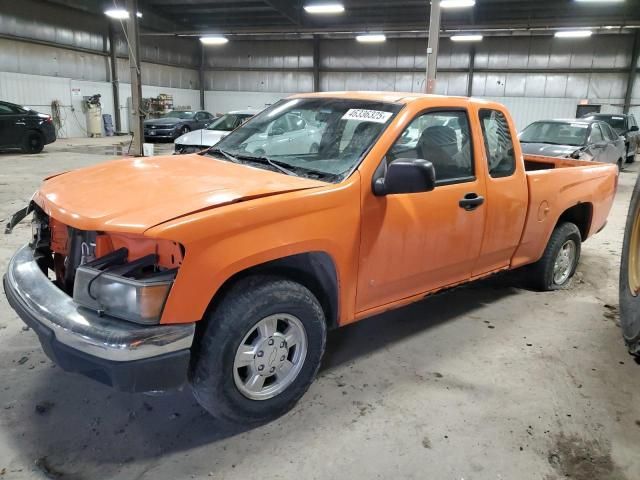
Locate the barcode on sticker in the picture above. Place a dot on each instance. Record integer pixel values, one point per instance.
(367, 115)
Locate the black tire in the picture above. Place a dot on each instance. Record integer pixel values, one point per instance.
(620, 164)
(243, 306)
(33, 142)
(631, 156)
(629, 303)
(183, 131)
(542, 272)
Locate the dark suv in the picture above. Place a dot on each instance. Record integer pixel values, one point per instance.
(25, 129)
(625, 126)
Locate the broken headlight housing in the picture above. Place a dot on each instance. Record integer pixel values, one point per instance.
(133, 291)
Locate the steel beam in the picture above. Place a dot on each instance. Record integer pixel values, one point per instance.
(113, 63)
(133, 41)
(316, 64)
(472, 65)
(201, 70)
(432, 47)
(633, 69)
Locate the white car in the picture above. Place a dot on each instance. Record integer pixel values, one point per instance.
(199, 140)
(289, 133)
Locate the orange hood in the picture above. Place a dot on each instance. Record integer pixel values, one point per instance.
(134, 194)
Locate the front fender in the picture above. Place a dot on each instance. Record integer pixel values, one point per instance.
(225, 241)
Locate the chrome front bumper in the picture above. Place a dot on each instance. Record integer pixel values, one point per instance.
(36, 299)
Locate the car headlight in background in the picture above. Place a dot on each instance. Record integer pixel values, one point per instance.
(140, 301)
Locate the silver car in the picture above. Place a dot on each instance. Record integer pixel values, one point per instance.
(579, 138)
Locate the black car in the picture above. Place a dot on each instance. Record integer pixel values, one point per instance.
(174, 124)
(25, 129)
(625, 126)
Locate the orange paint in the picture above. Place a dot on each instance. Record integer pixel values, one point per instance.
(387, 251)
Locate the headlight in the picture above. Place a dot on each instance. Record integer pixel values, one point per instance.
(139, 301)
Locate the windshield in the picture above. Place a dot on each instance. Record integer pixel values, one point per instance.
(178, 114)
(228, 122)
(556, 133)
(321, 138)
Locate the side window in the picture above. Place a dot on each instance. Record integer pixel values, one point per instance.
(297, 123)
(596, 134)
(632, 121)
(443, 138)
(498, 143)
(608, 132)
(5, 110)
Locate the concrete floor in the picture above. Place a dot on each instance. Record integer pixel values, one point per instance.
(487, 382)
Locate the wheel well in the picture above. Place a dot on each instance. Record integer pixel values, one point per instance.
(580, 215)
(314, 270)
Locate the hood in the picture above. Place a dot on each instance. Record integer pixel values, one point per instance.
(206, 138)
(134, 194)
(548, 150)
(163, 121)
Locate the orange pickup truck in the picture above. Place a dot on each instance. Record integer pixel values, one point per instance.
(225, 269)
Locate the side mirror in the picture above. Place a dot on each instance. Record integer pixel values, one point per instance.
(634, 128)
(406, 176)
(275, 132)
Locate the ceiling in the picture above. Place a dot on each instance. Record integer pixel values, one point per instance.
(288, 16)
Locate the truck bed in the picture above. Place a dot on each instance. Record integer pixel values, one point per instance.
(576, 187)
(538, 162)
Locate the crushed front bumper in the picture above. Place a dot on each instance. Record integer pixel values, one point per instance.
(127, 356)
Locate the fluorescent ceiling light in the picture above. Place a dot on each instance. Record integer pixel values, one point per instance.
(457, 3)
(599, 1)
(117, 13)
(466, 38)
(573, 33)
(139, 14)
(214, 40)
(371, 38)
(324, 8)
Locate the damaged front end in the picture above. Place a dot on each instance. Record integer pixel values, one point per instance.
(124, 276)
(96, 298)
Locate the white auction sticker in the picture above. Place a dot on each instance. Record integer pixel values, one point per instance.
(375, 116)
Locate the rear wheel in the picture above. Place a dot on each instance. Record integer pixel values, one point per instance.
(260, 350)
(33, 142)
(631, 154)
(629, 288)
(560, 259)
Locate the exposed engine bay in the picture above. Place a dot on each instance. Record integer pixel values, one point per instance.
(124, 275)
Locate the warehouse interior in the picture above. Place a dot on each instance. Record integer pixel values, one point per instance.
(490, 380)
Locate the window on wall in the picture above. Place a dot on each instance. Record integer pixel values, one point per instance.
(443, 138)
(498, 143)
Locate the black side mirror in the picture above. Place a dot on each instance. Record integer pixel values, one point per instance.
(406, 176)
(634, 128)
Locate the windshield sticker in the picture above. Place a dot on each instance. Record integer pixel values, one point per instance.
(579, 125)
(375, 116)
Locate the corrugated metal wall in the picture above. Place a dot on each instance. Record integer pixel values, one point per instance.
(530, 74)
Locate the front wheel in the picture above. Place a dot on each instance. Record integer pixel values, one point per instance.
(560, 259)
(260, 350)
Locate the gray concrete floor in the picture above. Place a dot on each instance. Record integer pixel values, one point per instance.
(491, 381)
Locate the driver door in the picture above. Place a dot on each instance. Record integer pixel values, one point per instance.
(415, 243)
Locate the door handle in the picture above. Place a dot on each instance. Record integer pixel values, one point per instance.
(471, 201)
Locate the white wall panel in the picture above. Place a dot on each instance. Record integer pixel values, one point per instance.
(223, 101)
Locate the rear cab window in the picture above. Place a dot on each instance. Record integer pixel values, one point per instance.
(498, 143)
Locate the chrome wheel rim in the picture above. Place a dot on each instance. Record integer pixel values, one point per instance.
(270, 356)
(564, 262)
